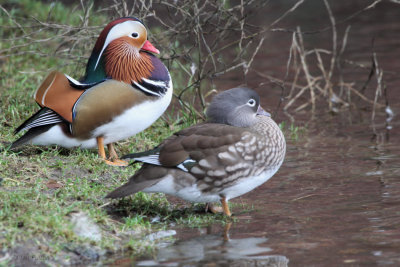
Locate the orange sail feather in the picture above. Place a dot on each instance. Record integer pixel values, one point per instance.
(56, 93)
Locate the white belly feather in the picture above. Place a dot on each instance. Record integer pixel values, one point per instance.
(129, 123)
(193, 194)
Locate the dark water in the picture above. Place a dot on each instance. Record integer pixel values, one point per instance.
(336, 199)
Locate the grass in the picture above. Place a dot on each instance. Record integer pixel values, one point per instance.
(292, 131)
(40, 186)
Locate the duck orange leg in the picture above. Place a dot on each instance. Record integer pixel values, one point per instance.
(225, 207)
(114, 157)
(102, 153)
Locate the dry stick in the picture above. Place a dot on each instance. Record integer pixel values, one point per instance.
(319, 88)
(125, 9)
(31, 40)
(302, 106)
(229, 69)
(26, 36)
(334, 39)
(145, 8)
(170, 28)
(202, 100)
(339, 66)
(294, 83)
(292, 48)
(178, 8)
(247, 66)
(303, 89)
(363, 97)
(328, 84)
(282, 85)
(241, 24)
(262, 31)
(188, 107)
(295, 66)
(357, 64)
(319, 50)
(242, 36)
(378, 91)
(61, 26)
(349, 86)
(370, 75)
(184, 69)
(292, 54)
(235, 8)
(13, 20)
(209, 51)
(201, 65)
(370, 6)
(324, 73)
(296, 5)
(336, 98)
(323, 90)
(300, 49)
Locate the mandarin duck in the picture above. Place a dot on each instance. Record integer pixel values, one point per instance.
(125, 89)
(237, 149)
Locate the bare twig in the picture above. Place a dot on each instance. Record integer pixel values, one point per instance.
(202, 40)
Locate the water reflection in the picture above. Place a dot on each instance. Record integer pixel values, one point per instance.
(217, 250)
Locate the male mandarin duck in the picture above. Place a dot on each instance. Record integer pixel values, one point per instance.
(239, 148)
(125, 89)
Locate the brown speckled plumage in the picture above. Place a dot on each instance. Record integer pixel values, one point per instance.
(214, 158)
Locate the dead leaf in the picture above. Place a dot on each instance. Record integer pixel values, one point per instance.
(53, 184)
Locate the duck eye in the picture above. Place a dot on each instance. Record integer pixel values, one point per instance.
(135, 35)
(251, 102)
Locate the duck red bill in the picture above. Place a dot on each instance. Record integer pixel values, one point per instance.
(261, 111)
(149, 47)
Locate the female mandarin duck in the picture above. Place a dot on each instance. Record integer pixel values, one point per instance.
(125, 89)
(239, 148)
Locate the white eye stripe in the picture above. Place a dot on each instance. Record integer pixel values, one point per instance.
(119, 30)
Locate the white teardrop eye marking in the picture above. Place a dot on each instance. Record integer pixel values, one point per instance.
(135, 35)
(251, 102)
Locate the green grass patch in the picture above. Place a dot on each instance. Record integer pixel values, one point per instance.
(292, 131)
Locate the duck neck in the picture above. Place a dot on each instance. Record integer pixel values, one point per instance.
(267, 127)
(125, 63)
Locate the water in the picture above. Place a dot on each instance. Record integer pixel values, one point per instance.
(336, 199)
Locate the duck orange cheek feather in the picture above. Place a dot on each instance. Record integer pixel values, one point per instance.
(147, 46)
(124, 64)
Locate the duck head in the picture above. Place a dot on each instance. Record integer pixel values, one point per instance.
(122, 52)
(236, 107)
